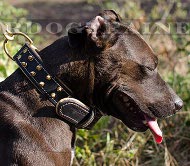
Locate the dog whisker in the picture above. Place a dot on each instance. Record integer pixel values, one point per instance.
(125, 99)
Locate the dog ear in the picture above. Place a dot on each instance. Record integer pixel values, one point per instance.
(110, 15)
(76, 36)
(93, 30)
(100, 28)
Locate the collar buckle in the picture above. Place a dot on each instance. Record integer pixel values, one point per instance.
(76, 113)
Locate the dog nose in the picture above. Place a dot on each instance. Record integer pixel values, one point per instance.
(178, 104)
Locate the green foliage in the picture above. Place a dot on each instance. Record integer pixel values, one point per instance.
(127, 9)
(116, 145)
(110, 142)
(6, 65)
(11, 13)
(16, 20)
(162, 9)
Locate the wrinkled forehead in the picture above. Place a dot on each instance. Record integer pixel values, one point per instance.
(137, 49)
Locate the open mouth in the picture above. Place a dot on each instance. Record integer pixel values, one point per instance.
(136, 119)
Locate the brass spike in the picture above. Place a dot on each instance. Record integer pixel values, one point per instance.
(33, 73)
(30, 58)
(39, 67)
(24, 64)
(48, 77)
(53, 95)
(42, 84)
(25, 50)
(59, 89)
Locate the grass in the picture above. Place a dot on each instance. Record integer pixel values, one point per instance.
(118, 145)
(110, 143)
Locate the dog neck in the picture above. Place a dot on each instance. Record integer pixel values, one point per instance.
(68, 64)
(61, 61)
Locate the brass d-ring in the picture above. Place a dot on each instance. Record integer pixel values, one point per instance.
(9, 36)
(5, 48)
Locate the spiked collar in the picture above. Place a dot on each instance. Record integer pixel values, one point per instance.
(71, 110)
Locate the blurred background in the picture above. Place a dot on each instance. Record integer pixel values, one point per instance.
(165, 25)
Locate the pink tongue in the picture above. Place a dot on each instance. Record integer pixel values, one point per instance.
(154, 128)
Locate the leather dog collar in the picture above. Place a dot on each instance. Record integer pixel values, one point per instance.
(69, 109)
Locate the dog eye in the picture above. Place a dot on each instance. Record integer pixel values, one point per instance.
(149, 68)
(146, 70)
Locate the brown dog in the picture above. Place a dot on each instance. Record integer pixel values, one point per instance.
(124, 83)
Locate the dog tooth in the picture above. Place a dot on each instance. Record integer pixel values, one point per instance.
(127, 104)
(125, 99)
(145, 122)
(120, 95)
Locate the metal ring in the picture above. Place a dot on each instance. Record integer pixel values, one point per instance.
(10, 36)
(5, 49)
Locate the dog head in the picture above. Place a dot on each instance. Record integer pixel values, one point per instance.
(127, 84)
